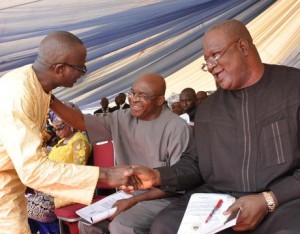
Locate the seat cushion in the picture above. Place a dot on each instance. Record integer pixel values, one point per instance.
(69, 212)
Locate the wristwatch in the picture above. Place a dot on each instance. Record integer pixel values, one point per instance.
(270, 201)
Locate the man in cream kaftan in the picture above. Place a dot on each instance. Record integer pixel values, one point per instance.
(22, 159)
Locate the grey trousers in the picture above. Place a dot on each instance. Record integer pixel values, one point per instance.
(285, 219)
(136, 220)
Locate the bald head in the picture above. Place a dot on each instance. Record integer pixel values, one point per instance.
(233, 28)
(189, 91)
(147, 97)
(58, 47)
(154, 83)
(60, 61)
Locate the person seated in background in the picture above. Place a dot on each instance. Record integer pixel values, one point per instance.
(73, 147)
(166, 104)
(187, 99)
(117, 106)
(122, 101)
(104, 106)
(147, 134)
(200, 97)
(49, 135)
(177, 108)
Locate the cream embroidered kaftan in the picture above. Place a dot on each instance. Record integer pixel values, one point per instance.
(23, 162)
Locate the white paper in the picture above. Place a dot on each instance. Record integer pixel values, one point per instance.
(198, 209)
(102, 209)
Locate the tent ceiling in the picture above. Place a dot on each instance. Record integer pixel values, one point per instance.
(127, 38)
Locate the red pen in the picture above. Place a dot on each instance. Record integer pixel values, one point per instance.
(217, 206)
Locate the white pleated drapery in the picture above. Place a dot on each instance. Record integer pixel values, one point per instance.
(127, 38)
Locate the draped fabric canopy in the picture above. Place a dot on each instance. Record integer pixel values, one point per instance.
(128, 38)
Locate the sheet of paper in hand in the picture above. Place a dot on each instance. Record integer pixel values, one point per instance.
(204, 214)
(101, 209)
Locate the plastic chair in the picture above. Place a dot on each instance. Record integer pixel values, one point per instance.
(103, 156)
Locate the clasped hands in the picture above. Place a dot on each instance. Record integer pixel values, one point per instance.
(129, 178)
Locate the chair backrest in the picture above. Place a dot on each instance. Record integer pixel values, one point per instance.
(103, 154)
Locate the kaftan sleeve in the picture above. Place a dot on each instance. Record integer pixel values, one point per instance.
(180, 140)
(177, 177)
(183, 175)
(22, 120)
(103, 130)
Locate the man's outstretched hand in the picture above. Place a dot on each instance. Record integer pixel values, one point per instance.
(142, 178)
(115, 176)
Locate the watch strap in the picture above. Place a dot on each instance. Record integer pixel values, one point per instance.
(270, 201)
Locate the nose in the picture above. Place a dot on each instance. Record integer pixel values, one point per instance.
(134, 99)
(183, 103)
(211, 62)
(211, 67)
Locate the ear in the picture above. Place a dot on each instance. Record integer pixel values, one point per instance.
(160, 100)
(243, 46)
(59, 69)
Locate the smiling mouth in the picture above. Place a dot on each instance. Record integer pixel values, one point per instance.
(134, 107)
(217, 76)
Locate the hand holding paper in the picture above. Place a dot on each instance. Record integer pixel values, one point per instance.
(102, 209)
(204, 214)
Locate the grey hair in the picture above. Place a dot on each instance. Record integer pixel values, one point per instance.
(233, 28)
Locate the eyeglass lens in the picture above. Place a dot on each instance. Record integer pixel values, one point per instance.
(59, 127)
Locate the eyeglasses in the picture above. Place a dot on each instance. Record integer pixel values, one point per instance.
(213, 61)
(82, 69)
(140, 97)
(59, 127)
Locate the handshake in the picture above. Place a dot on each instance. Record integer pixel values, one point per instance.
(129, 178)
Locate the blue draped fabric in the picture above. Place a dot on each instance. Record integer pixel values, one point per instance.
(124, 38)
